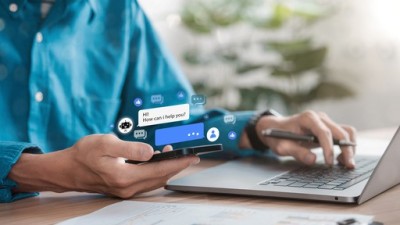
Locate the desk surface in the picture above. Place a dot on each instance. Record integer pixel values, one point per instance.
(50, 208)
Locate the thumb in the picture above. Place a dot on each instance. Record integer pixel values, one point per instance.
(303, 155)
(139, 151)
(300, 153)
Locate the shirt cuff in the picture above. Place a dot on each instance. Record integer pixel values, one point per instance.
(10, 153)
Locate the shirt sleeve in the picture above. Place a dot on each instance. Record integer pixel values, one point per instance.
(10, 153)
(153, 71)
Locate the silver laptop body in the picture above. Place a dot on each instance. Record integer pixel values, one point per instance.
(251, 176)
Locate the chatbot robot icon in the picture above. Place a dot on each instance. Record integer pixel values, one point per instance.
(125, 125)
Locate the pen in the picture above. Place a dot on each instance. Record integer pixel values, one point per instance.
(276, 133)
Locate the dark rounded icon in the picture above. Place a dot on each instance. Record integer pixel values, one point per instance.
(125, 125)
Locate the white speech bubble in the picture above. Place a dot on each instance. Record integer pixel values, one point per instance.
(140, 134)
(230, 119)
(160, 115)
(157, 99)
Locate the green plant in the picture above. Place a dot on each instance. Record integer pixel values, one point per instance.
(297, 61)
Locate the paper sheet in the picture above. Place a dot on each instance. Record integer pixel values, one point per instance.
(149, 213)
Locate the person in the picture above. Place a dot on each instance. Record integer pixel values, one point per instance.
(68, 73)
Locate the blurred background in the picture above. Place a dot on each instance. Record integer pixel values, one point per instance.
(337, 56)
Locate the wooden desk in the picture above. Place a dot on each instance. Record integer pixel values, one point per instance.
(50, 208)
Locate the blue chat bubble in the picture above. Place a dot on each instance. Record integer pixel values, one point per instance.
(198, 99)
(230, 119)
(157, 99)
(178, 134)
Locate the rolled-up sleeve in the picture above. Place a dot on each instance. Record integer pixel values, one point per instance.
(10, 153)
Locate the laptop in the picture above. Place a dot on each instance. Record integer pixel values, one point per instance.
(271, 177)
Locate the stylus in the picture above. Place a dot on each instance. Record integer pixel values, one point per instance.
(276, 133)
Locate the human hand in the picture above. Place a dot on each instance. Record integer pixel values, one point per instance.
(309, 122)
(113, 175)
(96, 163)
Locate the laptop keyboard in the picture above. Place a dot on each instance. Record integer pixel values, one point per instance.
(323, 177)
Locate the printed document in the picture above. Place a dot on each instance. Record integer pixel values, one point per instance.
(152, 213)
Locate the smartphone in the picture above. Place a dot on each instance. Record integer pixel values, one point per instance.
(196, 150)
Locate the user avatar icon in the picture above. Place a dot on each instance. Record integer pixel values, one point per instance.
(125, 125)
(212, 134)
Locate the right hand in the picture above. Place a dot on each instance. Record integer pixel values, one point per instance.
(96, 163)
(310, 122)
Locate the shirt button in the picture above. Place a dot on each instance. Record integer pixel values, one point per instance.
(13, 7)
(39, 96)
(39, 37)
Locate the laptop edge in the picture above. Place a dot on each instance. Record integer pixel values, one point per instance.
(385, 175)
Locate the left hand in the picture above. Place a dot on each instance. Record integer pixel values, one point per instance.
(96, 163)
(309, 122)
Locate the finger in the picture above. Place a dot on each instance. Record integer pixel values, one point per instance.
(352, 134)
(133, 174)
(139, 187)
(341, 134)
(168, 148)
(144, 185)
(113, 146)
(300, 153)
(164, 168)
(153, 184)
(311, 121)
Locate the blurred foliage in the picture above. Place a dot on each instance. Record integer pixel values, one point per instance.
(203, 16)
(298, 55)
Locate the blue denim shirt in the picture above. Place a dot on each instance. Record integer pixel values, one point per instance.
(77, 72)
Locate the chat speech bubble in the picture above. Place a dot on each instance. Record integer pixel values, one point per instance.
(198, 99)
(157, 99)
(160, 115)
(140, 134)
(230, 119)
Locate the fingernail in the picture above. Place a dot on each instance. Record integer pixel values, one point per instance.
(331, 158)
(147, 152)
(309, 159)
(352, 163)
(195, 161)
